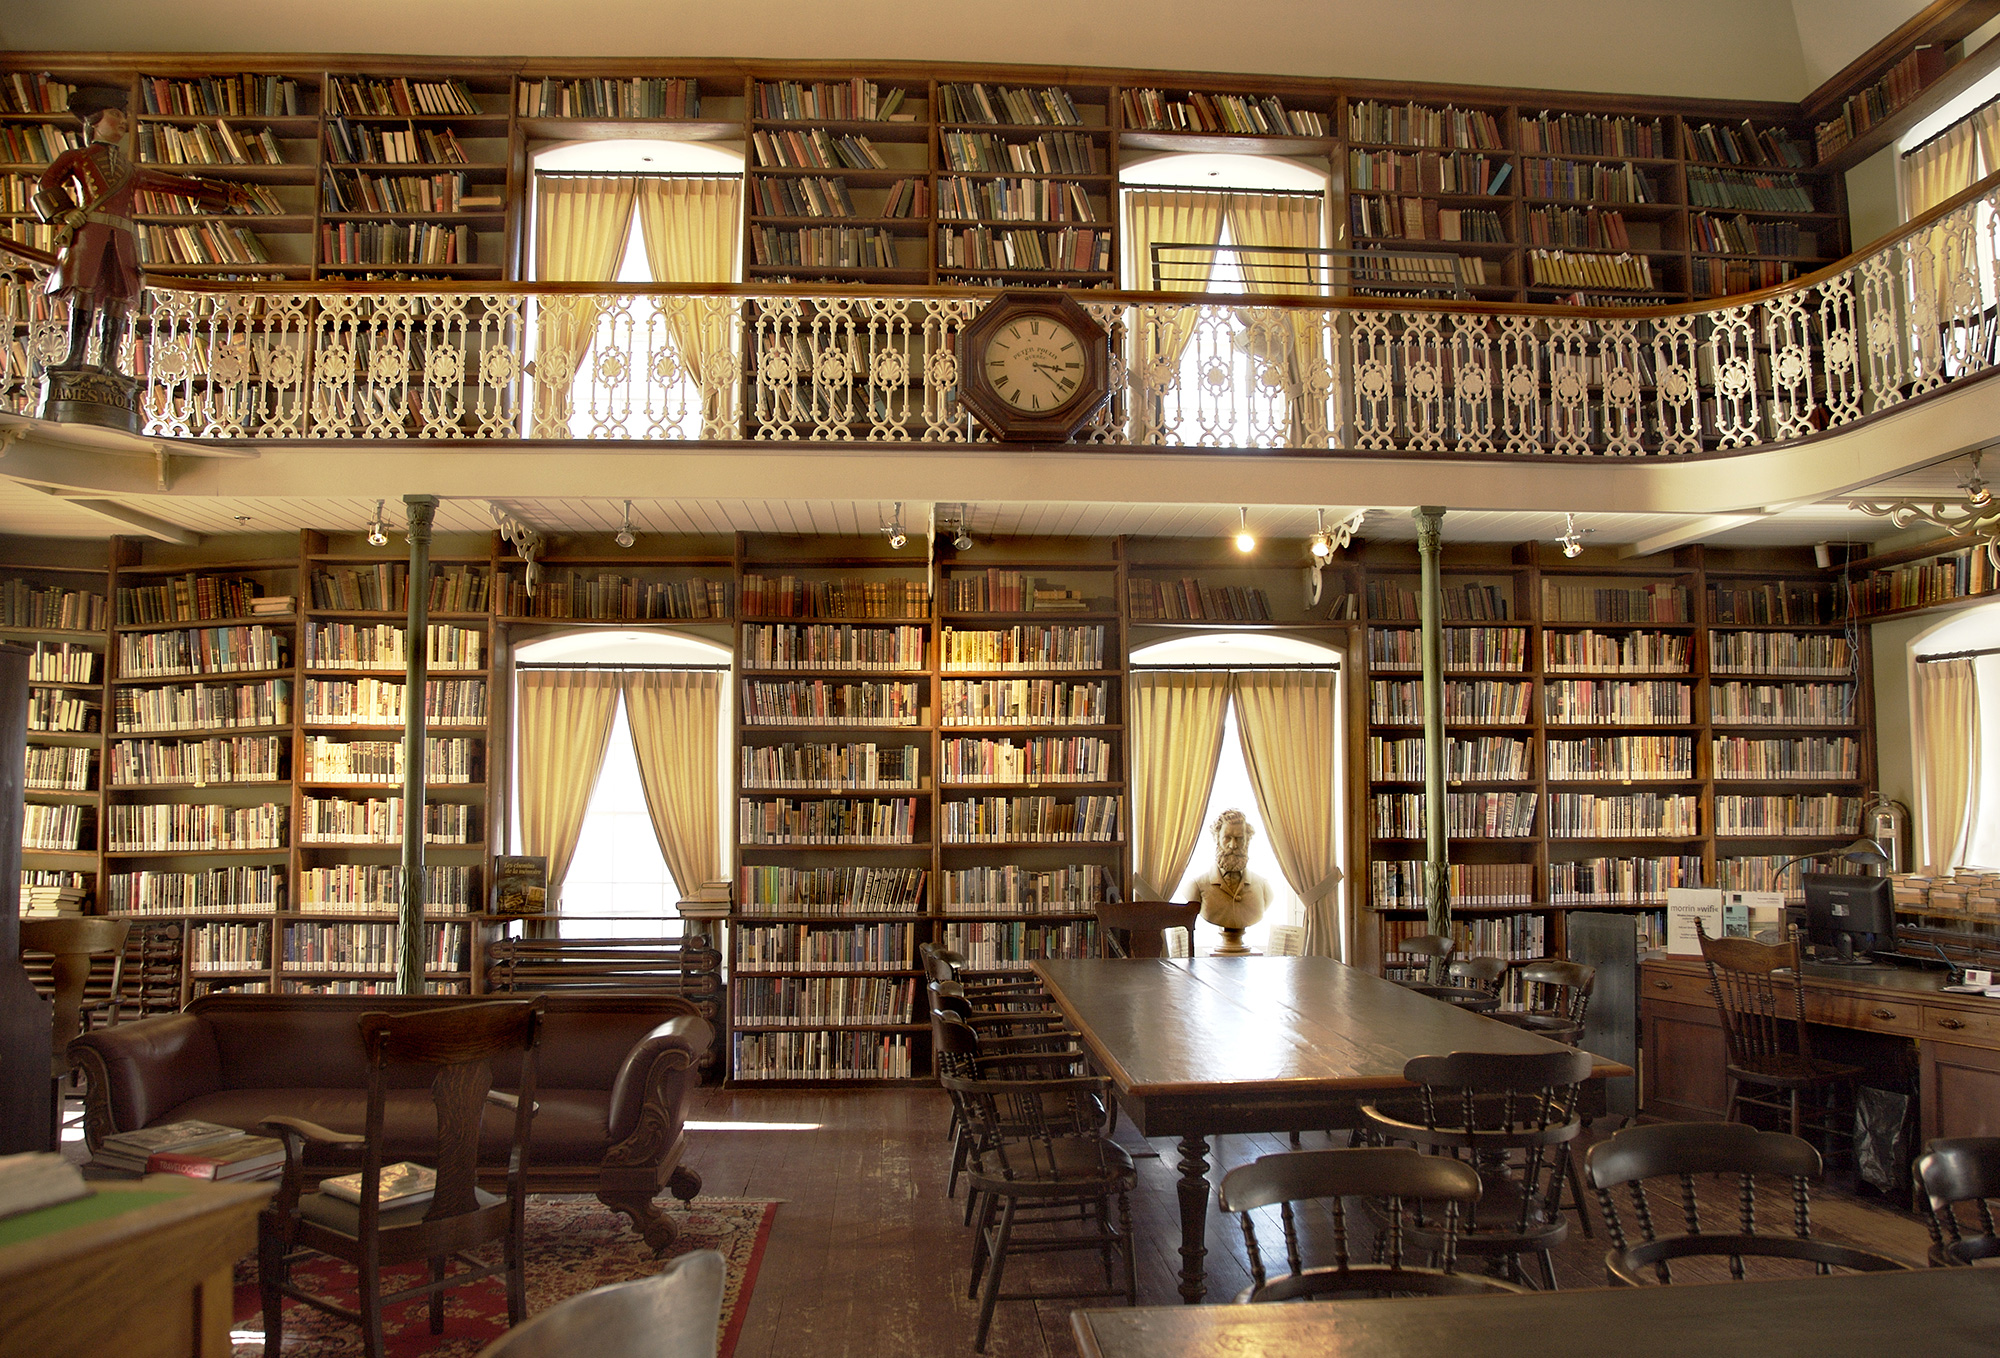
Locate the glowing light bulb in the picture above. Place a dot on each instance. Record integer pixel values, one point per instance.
(1246, 541)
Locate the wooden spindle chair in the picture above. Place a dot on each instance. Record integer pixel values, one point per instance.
(1436, 949)
(1142, 928)
(1558, 999)
(1959, 1174)
(1683, 1150)
(1400, 1182)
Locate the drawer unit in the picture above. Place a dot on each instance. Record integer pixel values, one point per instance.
(1676, 987)
(1859, 1011)
(1968, 1027)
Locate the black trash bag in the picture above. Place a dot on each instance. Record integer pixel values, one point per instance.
(1882, 1138)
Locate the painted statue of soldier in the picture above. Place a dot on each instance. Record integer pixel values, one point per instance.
(88, 195)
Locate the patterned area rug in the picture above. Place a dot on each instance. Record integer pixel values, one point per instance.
(574, 1244)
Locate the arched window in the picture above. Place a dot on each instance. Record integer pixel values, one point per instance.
(1232, 786)
(618, 884)
(1955, 722)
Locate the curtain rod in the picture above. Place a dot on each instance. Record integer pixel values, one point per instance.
(1948, 128)
(1957, 655)
(1141, 667)
(611, 667)
(1247, 193)
(631, 174)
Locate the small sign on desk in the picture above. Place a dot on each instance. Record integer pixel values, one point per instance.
(1687, 906)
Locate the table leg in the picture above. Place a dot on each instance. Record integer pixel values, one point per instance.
(1194, 1216)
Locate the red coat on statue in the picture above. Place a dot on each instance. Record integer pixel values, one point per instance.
(101, 262)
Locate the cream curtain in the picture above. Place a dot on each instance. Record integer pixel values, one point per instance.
(581, 227)
(1947, 702)
(1296, 349)
(1176, 735)
(690, 227)
(565, 724)
(1943, 165)
(1163, 216)
(1289, 723)
(675, 716)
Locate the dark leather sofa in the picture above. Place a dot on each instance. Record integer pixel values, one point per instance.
(614, 1076)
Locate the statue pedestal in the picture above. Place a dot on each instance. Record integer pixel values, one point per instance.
(1232, 945)
(108, 400)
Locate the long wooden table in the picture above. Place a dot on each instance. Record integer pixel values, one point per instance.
(1204, 1047)
(1940, 1313)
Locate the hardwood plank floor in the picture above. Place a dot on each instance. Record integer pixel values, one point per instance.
(869, 1259)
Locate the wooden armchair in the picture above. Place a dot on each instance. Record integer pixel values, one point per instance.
(456, 1045)
(1144, 925)
(673, 1314)
(1960, 1174)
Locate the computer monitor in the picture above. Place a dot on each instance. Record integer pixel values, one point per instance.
(1850, 914)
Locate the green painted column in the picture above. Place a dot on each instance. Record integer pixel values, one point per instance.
(410, 952)
(1437, 873)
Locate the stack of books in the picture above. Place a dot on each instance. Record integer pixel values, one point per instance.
(47, 902)
(267, 605)
(37, 1179)
(710, 901)
(199, 1150)
(402, 1184)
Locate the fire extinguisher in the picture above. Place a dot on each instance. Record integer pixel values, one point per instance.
(1887, 822)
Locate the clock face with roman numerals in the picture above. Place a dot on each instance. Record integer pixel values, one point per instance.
(1035, 364)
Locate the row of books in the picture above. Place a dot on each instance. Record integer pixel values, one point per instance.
(1758, 192)
(1038, 820)
(24, 604)
(801, 947)
(1014, 943)
(769, 890)
(1637, 815)
(223, 96)
(1454, 172)
(1779, 653)
(177, 707)
(189, 598)
(385, 588)
(188, 827)
(839, 1001)
(1788, 759)
(232, 759)
(56, 828)
(426, 244)
(65, 768)
(856, 100)
(826, 820)
(199, 144)
(1598, 652)
(1013, 200)
(1918, 584)
(33, 92)
(1621, 758)
(1621, 881)
(814, 196)
(200, 243)
(1559, 268)
(1800, 604)
(1593, 134)
(1481, 759)
(1657, 601)
(1589, 181)
(815, 149)
(1400, 884)
(1800, 814)
(1578, 228)
(834, 1055)
(447, 759)
(1465, 648)
(841, 646)
(450, 889)
(1025, 648)
(609, 595)
(435, 193)
(157, 203)
(1050, 153)
(1243, 114)
(1617, 702)
(609, 97)
(36, 143)
(382, 646)
(247, 889)
(1422, 219)
(789, 596)
(1468, 815)
(1023, 702)
(397, 97)
(1038, 759)
(379, 820)
(1865, 108)
(1188, 598)
(1742, 704)
(971, 102)
(311, 946)
(359, 144)
(1009, 888)
(1746, 144)
(1477, 702)
(1370, 120)
(1517, 938)
(51, 709)
(997, 590)
(859, 765)
(63, 663)
(1067, 250)
(828, 247)
(819, 703)
(1741, 236)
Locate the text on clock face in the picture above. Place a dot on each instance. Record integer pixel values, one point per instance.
(1032, 367)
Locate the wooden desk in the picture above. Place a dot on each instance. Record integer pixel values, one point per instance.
(1255, 1044)
(1940, 1313)
(152, 1281)
(1957, 1037)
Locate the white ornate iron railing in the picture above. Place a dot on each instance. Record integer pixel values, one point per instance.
(487, 362)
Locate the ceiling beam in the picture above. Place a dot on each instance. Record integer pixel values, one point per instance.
(125, 518)
(1694, 530)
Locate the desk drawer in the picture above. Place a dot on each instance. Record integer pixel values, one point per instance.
(1859, 1011)
(1970, 1027)
(1675, 987)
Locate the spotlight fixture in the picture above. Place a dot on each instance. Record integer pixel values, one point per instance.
(1322, 542)
(894, 528)
(963, 542)
(378, 536)
(1246, 541)
(625, 538)
(1572, 538)
(1977, 493)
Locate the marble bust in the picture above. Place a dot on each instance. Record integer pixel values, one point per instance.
(1232, 897)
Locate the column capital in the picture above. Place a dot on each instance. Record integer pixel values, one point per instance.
(421, 509)
(1430, 527)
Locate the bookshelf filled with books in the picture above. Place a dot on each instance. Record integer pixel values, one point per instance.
(1693, 720)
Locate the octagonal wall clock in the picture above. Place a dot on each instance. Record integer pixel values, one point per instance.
(1034, 367)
